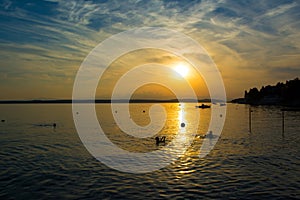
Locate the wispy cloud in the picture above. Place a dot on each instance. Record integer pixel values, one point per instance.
(280, 9)
(79, 12)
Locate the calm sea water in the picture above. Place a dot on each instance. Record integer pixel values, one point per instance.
(38, 161)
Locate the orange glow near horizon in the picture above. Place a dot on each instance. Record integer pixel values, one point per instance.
(180, 67)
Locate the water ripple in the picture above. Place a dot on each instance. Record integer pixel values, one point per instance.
(43, 163)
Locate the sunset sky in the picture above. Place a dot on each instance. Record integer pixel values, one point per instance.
(43, 43)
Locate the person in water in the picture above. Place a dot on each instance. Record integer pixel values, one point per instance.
(160, 140)
(210, 135)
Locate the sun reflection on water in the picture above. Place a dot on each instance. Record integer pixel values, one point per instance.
(182, 123)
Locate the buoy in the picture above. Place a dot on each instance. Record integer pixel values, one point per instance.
(182, 124)
(144, 111)
(54, 125)
(3, 120)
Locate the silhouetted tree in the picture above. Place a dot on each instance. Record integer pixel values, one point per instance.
(280, 94)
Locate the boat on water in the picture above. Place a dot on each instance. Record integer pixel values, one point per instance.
(203, 106)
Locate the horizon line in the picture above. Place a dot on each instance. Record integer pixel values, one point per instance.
(37, 101)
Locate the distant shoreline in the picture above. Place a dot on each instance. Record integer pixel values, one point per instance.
(69, 101)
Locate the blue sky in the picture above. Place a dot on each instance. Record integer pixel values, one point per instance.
(44, 42)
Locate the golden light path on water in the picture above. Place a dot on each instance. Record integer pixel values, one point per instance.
(182, 123)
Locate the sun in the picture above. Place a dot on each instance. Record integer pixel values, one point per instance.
(182, 70)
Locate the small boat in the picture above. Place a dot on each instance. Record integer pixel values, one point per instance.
(46, 125)
(203, 106)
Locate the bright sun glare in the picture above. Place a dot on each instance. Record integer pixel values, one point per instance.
(182, 70)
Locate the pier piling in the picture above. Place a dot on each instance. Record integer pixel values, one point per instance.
(250, 122)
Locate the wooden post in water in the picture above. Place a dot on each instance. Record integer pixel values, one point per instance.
(282, 122)
(287, 109)
(250, 119)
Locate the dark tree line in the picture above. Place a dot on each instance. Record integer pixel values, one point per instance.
(287, 93)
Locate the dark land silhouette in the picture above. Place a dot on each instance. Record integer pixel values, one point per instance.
(283, 94)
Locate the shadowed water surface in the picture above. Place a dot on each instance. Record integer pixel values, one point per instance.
(38, 161)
